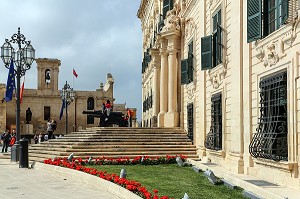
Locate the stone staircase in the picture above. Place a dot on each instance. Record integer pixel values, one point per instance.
(116, 142)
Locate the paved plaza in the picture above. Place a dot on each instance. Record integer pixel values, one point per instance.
(26, 183)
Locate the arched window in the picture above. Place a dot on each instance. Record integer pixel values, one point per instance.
(47, 76)
(90, 106)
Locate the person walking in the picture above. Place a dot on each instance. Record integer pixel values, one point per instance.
(107, 108)
(36, 138)
(129, 114)
(12, 139)
(49, 129)
(6, 140)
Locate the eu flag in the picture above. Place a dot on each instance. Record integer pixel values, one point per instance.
(10, 86)
(62, 109)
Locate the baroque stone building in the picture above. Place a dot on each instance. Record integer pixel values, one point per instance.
(227, 71)
(45, 102)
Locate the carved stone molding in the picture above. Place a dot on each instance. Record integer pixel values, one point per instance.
(213, 3)
(189, 28)
(172, 21)
(216, 75)
(191, 92)
(290, 36)
(271, 53)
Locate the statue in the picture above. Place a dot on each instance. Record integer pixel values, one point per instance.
(28, 115)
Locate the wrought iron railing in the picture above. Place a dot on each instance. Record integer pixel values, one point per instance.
(270, 139)
(213, 139)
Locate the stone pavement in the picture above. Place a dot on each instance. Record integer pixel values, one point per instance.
(43, 182)
(259, 188)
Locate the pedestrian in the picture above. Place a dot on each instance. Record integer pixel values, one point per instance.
(5, 140)
(107, 108)
(54, 126)
(49, 129)
(129, 114)
(12, 139)
(40, 137)
(36, 138)
(103, 108)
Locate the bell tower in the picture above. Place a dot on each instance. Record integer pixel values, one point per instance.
(48, 70)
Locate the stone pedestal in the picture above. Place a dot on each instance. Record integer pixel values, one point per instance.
(171, 119)
(161, 119)
(27, 129)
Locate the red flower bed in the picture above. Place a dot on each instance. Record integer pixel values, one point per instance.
(133, 186)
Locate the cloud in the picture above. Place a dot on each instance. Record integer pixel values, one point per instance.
(93, 36)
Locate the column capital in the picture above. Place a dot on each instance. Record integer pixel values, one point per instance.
(172, 51)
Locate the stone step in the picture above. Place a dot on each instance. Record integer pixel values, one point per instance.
(79, 147)
(121, 140)
(111, 149)
(111, 153)
(116, 142)
(86, 143)
(136, 129)
(123, 135)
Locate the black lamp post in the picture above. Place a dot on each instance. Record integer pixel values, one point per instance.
(67, 94)
(23, 56)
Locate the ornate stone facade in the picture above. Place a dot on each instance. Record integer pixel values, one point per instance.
(226, 89)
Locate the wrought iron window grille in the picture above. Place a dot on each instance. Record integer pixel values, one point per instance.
(190, 121)
(213, 139)
(270, 139)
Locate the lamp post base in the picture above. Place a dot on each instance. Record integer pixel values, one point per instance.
(14, 156)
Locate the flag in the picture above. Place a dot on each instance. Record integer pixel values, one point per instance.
(10, 86)
(21, 92)
(74, 73)
(62, 109)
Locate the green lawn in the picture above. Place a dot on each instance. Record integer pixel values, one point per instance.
(173, 181)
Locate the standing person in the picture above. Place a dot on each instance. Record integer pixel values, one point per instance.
(103, 108)
(49, 129)
(129, 114)
(107, 108)
(6, 140)
(54, 126)
(40, 137)
(36, 138)
(12, 139)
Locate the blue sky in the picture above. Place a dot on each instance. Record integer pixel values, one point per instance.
(95, 37)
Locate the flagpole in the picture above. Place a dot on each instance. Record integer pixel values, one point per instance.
(73, 78)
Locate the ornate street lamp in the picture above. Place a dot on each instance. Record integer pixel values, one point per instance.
(67, 94)
(23, 56)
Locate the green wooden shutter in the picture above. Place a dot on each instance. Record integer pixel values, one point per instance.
(254, 25)
(190, 69)
(206, 52)
(219, 45)
(184, 76)
(284, 11)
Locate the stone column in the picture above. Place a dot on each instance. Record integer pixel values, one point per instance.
(172, 117)
(156, 85)
(163, 86)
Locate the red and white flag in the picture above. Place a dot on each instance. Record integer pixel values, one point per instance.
(74, 73)
(21, 92)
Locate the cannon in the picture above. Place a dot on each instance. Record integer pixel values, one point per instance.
(114, 118)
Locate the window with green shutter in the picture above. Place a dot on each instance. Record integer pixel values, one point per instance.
(190, 69)
(211, 45)
(184, 68)
(206, 52)
(265, 17)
